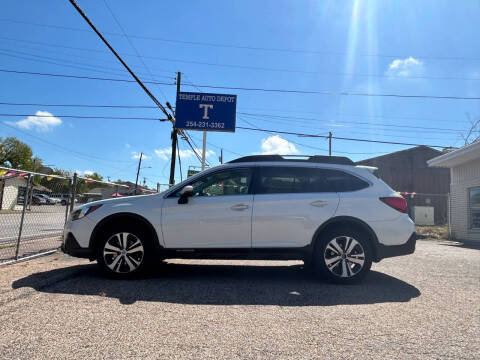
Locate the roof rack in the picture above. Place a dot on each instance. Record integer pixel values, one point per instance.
(340, 160)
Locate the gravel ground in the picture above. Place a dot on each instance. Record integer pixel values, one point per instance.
(423, 306)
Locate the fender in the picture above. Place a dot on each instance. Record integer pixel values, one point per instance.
(349, 219)
(134, 216)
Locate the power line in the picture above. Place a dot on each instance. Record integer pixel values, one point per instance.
(386, 125)
(86, 117)
(336, 93)
(246, 67)
(441, 130)
(57, 146)
(81, 77)
(139, 82)
(337, 137)
(132, 45)
(325, 92)
(246, 47)
(287, 117)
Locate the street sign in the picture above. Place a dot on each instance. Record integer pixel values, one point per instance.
(206, 112)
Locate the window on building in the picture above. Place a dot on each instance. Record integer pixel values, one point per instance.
(474, 208)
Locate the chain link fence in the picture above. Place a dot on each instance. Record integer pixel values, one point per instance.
(34, 208)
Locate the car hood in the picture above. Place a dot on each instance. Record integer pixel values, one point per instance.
(126, 200)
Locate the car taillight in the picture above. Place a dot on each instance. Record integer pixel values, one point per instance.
(398, 203)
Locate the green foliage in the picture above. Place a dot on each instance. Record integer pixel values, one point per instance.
(16, 154)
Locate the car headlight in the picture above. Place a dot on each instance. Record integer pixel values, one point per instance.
(84, 211)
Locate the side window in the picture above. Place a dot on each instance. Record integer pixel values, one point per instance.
(344, 182)
(282, 180)
(227, 182)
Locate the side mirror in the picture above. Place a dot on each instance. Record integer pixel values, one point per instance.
(186, 192)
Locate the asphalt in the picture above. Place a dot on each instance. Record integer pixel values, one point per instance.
(422, 306)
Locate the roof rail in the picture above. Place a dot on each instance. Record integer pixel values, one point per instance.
(340, 160)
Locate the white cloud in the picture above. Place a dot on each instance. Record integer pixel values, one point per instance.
(277, 145)
(166, 153)
(128, 146)
(84, 172)
(41, 121)
(405, 67)
(136, 156)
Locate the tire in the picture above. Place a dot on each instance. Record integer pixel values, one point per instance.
(63, 202)
(124, 251)
(342, 256)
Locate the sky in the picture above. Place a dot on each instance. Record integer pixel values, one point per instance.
(428, 47)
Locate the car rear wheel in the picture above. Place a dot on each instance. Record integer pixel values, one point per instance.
(343, 256)
(123, 252)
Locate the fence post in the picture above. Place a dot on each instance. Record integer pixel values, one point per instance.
(74, 192)
(25, 201)
(67, 205)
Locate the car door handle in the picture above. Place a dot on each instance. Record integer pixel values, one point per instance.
(239, 207)
(319, 203)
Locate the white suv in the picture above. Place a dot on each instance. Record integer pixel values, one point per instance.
(333, 215)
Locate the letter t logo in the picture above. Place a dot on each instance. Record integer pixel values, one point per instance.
(205, 110)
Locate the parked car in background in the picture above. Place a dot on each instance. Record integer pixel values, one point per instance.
(64, 199)
(49, 200)
(38, 200)
(336, 217)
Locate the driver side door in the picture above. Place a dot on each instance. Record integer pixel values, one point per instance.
(218, 215)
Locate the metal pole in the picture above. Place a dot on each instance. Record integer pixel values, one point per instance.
(174, 139)
(221, 156)
(25, 201)
(329, 143)
(66, 205)
(74, 192)
(138, 172)
(204, 148)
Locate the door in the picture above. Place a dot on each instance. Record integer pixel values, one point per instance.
(218, 215)
(290, 204)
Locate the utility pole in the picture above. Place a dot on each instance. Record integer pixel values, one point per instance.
(329, 143)
(138, 171)
(204, 148)
(221, 156)
(174, 139)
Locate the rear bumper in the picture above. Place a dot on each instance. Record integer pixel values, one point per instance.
(70, 246)
(385, 251)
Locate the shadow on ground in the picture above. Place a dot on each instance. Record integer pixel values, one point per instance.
(467, 244)
(222, 285)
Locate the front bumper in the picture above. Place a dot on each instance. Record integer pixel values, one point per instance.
(385, 251)
(70, 246)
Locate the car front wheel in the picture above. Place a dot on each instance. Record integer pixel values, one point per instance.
(343, 256)
(123, 252)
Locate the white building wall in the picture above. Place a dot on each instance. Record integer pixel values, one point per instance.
(10, 193)
(463, 177)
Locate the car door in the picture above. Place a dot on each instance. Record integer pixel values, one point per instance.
(290, 204)
(218, 215)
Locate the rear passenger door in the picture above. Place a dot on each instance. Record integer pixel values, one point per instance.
(290, 203)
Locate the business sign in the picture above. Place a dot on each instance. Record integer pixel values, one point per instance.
(206, 112)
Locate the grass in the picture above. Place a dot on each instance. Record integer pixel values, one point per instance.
(438, 232)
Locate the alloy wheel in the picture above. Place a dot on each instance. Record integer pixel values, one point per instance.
(344, 256)
(123, 252)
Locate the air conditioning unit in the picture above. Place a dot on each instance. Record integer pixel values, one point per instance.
(423, 215)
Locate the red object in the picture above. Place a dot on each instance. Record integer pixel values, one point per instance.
(398, 203)
(116, 194)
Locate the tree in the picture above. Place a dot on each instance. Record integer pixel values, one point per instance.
(15, 154)
(473, 134)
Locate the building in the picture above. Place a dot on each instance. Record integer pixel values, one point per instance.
(464, 165)
(407, 172)
(12, 189)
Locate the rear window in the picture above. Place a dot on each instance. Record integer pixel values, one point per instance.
(282, 180)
